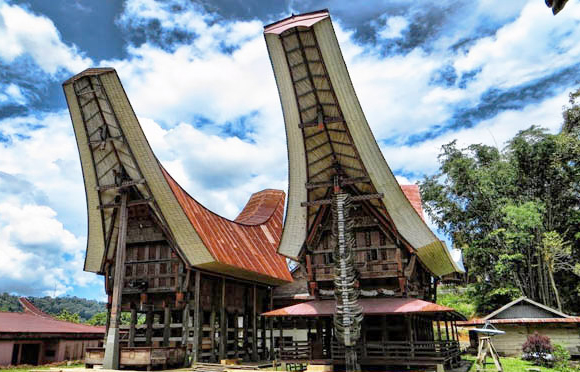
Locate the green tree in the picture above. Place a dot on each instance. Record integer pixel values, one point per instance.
(68, 316)
(515, 212)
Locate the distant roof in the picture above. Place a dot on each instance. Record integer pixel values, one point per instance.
(414, 195)
(531, 302)
(31, 309)
(495, 317)
(34, 320)
(371, 306)
(476, 322)
(30, 323)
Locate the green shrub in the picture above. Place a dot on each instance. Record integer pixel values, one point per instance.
(561, 358)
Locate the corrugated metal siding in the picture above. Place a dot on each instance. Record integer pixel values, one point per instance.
(246, 246)
(524, 310)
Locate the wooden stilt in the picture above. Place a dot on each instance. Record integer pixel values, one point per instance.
(212, 332)
(166, 325)
(112, 350)
(236, 334)
(132, 327)
(223, 325)
(271, 325)
(254, 324)
(149, 327)
(197, 317)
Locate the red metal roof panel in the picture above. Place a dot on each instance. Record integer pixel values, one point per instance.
(31, 323)
(371, 306)
(250, 243)
(414, 195)
(476, 322)
(304, 20)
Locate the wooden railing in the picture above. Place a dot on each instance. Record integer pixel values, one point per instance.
(295, 350)
(392, 352)
(437, 351)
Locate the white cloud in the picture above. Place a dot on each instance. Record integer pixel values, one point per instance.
(421, 159)
(36, 245)
(394, 27)
(534, 45)
(219, 172)
(40, 175)
(26, 34)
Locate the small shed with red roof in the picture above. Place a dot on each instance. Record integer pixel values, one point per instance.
(34, 337)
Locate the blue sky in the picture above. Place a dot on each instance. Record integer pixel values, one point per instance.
(200, 81)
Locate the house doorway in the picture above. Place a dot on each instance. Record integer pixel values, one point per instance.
(29, 354)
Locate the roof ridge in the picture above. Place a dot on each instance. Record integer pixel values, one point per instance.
(29, 308)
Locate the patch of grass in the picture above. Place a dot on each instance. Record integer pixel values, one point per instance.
(26, 368)
(509, 365)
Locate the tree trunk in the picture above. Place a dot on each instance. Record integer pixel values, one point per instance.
(555, 290)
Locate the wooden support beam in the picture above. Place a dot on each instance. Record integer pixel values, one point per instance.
(342, 182)
(166, 325)
(132, 203)
(271, 324)
(212, 317)
(132, 327)
(149, 327)
(236, 334)
(197, 318)
(121, 186)
(185, 322)
(446, 330)
(352, 198)
(112, 349)
(438, 330)
(254, 323)
(223, 325)
(281, 335)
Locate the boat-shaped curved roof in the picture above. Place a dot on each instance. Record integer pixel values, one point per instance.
(111, 144)
(330, 139)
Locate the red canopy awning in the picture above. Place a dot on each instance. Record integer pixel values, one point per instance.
(371, 306)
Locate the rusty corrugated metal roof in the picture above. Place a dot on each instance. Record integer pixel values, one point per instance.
(32, 323)
(249, 243)
(260, 207)
(31, 309)
(371, 306)
(477, 322)
(414, 195)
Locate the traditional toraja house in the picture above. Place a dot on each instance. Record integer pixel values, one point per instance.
(199, 280)
(523, 317)
(371, 263)
(34, 337)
